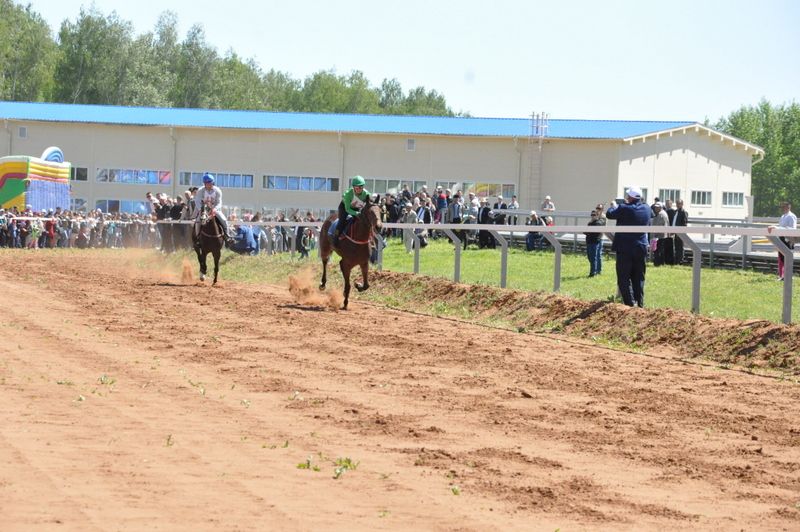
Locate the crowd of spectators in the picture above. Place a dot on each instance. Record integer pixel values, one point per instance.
(96, 229)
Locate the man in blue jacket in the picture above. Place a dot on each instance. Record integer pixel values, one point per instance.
(244, 241)
(631, 248)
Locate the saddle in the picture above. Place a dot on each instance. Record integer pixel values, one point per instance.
(348, 228)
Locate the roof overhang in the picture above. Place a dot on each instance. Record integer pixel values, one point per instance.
(700, 129)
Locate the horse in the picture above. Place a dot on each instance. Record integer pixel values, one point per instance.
(353, 247)
(209, 240)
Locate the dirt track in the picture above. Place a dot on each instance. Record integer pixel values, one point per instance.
(132, 400)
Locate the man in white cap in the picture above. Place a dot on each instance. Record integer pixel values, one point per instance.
(631, 248)
(548, 205)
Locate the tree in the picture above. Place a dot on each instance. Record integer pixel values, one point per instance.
(282, 93)
(777, 130)
(27, 54)
(239, 85)
(95, 58)
(196, 71)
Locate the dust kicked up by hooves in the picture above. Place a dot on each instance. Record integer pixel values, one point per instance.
(303, 288)
(187, 274)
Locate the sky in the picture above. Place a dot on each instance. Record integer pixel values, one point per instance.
(571, 59)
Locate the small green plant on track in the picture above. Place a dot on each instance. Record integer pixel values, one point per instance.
(105, 379)
(455, 490)
(65, 382)
(170, 442)
(342, 465)
(308, 465)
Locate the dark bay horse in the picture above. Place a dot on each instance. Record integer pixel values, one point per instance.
(354, 247)
(209, 240)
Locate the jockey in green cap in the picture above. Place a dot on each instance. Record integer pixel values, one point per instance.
(353, 200)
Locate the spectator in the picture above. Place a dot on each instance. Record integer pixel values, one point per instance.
(440, 199)
(594, 245)
(513, 205)
(534, 239)
(499, 217)
(631, 248)
(548, 205)
(409, 217)
(456, 209)
(306, 242)
(485, 238)
(244, 243)
(681, 219)
(659, 240)
(788, 221)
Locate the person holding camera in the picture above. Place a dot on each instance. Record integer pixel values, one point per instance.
(631, 248)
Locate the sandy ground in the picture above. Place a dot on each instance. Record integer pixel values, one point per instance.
(132, 399)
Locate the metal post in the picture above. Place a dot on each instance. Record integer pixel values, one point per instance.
(457, 244)
(379, 265)
(575, 238)
(788, 273)
(316, 233)
(503, 258)
(711, 250)
(293, 244)
(697, 260)
(557, 266)
(416, 251)
(268, 230)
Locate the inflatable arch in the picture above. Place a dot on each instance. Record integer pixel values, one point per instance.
(41, 182)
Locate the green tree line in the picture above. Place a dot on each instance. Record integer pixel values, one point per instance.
(97, 59)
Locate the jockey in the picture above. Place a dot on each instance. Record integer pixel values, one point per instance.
(211, 196)
(352, 202)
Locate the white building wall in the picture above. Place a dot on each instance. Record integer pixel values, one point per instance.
(689, 162)
(576, 173)
(579, 174)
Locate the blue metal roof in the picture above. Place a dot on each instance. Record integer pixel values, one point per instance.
(264, 120)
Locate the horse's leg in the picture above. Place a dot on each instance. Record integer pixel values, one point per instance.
(364, 277)
(346, 275)
(201, 256)
(216, 253)
(324, 280)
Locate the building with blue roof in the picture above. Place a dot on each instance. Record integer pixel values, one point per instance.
(273, 161)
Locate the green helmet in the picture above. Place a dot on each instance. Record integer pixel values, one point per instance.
(358, 181)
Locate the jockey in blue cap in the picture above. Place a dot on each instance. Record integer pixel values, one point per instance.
(210, 195)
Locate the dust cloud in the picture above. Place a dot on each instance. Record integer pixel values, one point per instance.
(187, 273)
(303, 287)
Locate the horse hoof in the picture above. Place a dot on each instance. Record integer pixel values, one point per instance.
(362, 288)
(202, 277)
(322, 287)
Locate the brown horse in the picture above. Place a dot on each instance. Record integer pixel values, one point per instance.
(209, 240)
(354, 247)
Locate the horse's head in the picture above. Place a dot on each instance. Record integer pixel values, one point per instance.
(372, 214)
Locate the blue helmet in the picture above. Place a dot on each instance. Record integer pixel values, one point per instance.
(208, 178)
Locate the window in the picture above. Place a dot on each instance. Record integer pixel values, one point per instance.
(701, 197)
(310, 184)
(665, 194)
(732, 199)
(77, 204)
(129, 176)
(22, 132)
(221, 179)
(411, 144)
(107, 206)
(451, 185)
(133, 206)
(489, 189)
(79, 174)
(644, 194)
